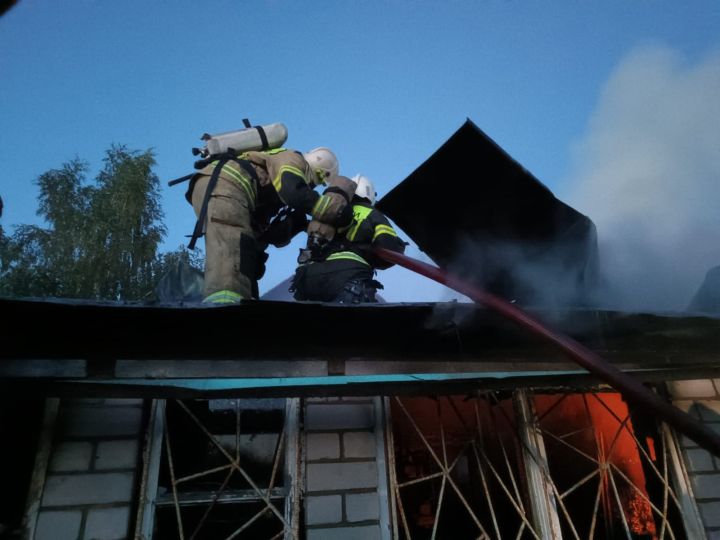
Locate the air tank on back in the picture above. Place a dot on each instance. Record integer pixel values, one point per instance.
(243, 140)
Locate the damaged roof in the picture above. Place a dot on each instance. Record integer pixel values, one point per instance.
(495, 224)
(47, 328)
(267, 348)
(476, 211)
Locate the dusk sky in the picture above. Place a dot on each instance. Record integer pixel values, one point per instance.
(613, 104)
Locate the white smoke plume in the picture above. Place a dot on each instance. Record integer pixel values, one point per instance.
(647, 173)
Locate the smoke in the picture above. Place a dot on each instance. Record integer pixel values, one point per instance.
(552, 274)
(647, 172)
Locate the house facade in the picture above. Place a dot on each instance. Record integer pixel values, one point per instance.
(467, 430)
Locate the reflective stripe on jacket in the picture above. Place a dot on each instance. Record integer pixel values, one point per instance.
(369, 228)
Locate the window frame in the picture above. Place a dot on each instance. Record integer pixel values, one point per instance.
(152, 458)
(543, 512)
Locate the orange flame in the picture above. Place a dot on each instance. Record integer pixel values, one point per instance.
(611, 441)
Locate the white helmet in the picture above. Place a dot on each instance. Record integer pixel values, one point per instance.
(322, 162)
(365, 188)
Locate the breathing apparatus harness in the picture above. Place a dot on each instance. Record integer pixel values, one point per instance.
(229, 154)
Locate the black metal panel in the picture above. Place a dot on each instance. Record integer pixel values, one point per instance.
(265, 330)
(474, 209)
(253, 329)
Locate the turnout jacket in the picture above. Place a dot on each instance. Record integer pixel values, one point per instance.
(347, 258)
(369, 228)
(235, 199)
(281, 177)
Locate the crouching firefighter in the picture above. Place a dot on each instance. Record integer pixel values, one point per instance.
(345, 271)
(245, 201)
(339, 194)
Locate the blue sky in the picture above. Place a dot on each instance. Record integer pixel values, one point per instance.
(382, 82)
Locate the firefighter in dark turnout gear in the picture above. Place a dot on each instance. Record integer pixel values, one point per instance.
(345, 272)
(241, 213)
(321, 234)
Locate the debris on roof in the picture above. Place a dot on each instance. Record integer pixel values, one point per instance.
(476, 211)
(182, 283)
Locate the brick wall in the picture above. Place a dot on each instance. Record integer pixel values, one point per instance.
(90, 481)
(343, 476)
(701, 399)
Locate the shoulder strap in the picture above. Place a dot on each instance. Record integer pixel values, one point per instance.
(200, 223)
(261, 132)
(224, 158)
(245, 164)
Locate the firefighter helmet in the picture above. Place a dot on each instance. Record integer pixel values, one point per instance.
(365, 188)
(322, 162)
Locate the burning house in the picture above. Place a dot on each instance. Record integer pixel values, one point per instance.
(142, 421)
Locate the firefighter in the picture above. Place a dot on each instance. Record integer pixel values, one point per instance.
(258, 198)
(321, 234)
(345, 272)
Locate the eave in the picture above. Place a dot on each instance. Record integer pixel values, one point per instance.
(291, 349)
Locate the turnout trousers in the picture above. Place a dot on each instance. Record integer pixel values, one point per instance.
(231, 253)
(341, 281)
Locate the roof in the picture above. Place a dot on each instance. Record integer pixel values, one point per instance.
(54, 346)
(495, 224)
(281, 291)
(475, 210)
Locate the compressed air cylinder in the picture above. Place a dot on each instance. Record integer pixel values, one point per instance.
(244, 140)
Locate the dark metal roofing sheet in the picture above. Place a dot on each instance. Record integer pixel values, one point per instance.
(475, 210)
(64, 348)
(287, 330)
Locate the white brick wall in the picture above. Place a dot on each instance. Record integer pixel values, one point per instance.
(342, 476)
(322, 510)
(59, 524)
(90, 482)
(701, 399)
(371, 532)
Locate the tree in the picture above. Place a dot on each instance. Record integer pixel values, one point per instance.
(40, 261)
(101, 240)
(126, 221)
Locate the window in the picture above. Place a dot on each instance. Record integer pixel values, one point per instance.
(524, 465)
(222, 469)
(609, 467)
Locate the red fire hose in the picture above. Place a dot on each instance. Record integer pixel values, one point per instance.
(633, 390)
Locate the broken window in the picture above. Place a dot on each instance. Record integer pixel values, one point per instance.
(609, 468)
(518, 465)
(222, 469)
(458, 468)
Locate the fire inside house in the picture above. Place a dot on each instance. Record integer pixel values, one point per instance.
(451, 422)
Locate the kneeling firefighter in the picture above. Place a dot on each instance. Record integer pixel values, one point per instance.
(247, 200)
(345, 270)
(319, 234)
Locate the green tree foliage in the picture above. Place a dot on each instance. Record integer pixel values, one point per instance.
(101, 240)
